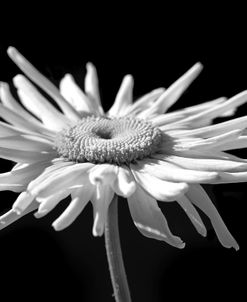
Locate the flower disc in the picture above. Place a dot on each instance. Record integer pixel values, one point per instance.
(101, 139)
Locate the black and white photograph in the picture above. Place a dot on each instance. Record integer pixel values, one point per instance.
(123, 157)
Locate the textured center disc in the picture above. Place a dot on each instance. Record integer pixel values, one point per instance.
(103, 140)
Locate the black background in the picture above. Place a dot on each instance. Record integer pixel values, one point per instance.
(156, 47)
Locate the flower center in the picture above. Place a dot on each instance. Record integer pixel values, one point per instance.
(103, 140)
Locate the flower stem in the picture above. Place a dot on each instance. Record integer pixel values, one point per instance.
(114, 254)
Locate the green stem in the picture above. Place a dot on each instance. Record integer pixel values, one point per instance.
(114, 254)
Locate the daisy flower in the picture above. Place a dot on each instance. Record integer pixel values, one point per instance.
(71, 147)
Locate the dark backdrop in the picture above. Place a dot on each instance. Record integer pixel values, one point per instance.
(36, 262)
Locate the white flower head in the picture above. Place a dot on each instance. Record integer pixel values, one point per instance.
(136, 150)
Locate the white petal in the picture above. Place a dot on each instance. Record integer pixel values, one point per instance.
(79, 200)
(170, 172)
(214, 142)
(217, 129)
(144, 102)
(61, 179)
(191, 110)
(26, 156)
(53, 169)
(149, 219)
(101, 201)
(220, 109)
(204, 164)
(74, 95)
(193, 215)
(171, 95)
(166, 119)
(42, 82)
(238, 143)
(22, 202)
(226, 177)
(199, 197)
(197, 109)
(124, 97)
(124, 185)
(9, 102)
(12, 187)
(92, 87)
(21, 177)
(104, 174)
(8, 130)
(48, 203)
(22, 123)
(38, 105)
(176, 142)
(160, 189)
(11, 216)
(26, 142)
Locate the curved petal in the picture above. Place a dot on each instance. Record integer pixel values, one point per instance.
(48, 203)
(101, 200)
(149, 219)
(160, 189)
(67, 177)
(193, 215)
(199, 197)
(79, 200)
(55, 168)
(21, 177)
(124, 185)
(104, 174)
(170, 172)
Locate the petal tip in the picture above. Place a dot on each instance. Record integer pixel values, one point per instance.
(236, 248)
(57, 227)
(129, 78)
(97, 232)
(40, 214)
(17, 79)
(204, 233)
(181, 245)
(11, 50)
(13, 53)
(90, 66)
(198, 65)
(234, 245)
